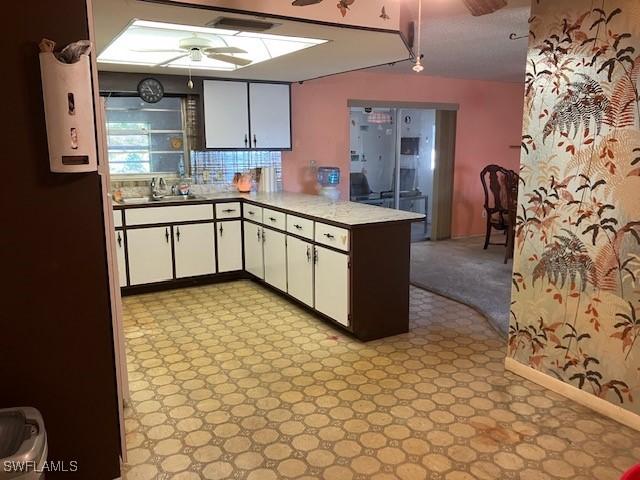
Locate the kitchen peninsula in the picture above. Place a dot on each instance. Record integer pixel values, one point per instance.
(347, 262)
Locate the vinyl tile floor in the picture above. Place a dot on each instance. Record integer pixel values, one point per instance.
(233, 381)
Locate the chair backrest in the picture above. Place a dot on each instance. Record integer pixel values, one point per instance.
(359, 184)
(495, 182)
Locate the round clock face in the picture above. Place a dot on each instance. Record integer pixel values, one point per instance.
(150, 90)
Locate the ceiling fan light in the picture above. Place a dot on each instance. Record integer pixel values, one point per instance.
(484, 7)
(418, 67)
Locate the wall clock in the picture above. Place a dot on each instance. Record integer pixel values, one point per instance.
(150, 90)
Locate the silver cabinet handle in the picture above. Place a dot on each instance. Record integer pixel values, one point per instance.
(258, 234)
(229, 210)
(315, 255)
(178, 233)
(166, 234)
(255, 141)
(308, 254)
(119, 240)
(264, 237)
(221, 229)
(299, 227)
(273, 219)
(246, 140)
(251, 212)
(329, 236)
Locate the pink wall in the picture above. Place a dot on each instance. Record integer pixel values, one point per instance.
(489, 121)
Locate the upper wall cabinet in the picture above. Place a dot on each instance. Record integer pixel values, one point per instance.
(270, 115)
(243, 116)
(226, 114)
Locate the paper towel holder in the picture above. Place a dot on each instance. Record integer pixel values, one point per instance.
(67, 92)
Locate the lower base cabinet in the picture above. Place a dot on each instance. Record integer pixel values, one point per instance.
(253, 254)
(332, 284)
(229, 238)
(195, 250)
(300, 270)
(275, 258)
(149, 255)
(122, 262)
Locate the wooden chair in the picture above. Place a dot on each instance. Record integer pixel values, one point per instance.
(494, 182)
(513, 182)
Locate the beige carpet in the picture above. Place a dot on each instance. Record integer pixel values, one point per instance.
(232, 381)
(461, 270)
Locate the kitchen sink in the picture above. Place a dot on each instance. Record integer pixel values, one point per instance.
(168, 198)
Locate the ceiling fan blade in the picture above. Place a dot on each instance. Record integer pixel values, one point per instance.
(166, 62)
(304, 3)
(484, 7)
(241, 62)
(151, 50)
(224, 50)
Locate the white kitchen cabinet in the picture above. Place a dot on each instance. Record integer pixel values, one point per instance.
(253, 252)
(332, 284)
(275, 258)
(300, 270)
(149, 252)
(226, 114)
(122, 262)
(270, 115)
(195, 250)
(229, 238)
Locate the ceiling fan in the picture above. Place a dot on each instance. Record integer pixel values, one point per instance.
(476, 7)
(197, 47)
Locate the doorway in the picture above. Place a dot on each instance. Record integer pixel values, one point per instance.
(401, 157)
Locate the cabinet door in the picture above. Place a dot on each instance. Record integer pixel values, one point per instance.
(332, 284)
(122, 262)
(270, 115)
(226, 114)
(229, 236)
(194, 247)
(300, 270)
(275, 258)
(149, 255)
(253, 257)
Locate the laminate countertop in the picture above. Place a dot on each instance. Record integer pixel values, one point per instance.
(343, 212)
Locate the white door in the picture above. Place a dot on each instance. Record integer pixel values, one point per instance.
(195, 249)
(229, 235)
(122, 262)
(253, 257)
(270, 115)
(149, 255)
(275, 258)
(332, 284)
(300, 270)
(226, 114)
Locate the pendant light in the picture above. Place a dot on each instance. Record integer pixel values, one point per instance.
(418, 67)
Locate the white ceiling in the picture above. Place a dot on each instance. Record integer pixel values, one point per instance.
(458, 45)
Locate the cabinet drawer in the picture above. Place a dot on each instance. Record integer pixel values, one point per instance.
(185, 213)
(332, 236)
(300, 226)
(117, 218)
(251, 212)
(228, 210)
(274, 219)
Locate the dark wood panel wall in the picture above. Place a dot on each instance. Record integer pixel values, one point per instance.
(56, 344)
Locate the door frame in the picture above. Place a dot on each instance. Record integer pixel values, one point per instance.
(442, 201)
(120, 359)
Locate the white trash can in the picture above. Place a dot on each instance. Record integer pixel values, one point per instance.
(23, 444)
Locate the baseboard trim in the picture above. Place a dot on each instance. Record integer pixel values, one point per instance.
(614, 412)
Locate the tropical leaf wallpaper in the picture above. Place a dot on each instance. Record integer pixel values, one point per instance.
(576, 283)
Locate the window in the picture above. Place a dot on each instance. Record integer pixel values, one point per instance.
(145, 138)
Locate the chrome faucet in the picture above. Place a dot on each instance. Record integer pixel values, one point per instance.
(152, 186)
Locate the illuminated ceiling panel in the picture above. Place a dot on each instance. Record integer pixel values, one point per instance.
(182, 46)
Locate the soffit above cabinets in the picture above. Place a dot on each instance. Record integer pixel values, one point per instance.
(325, 49)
